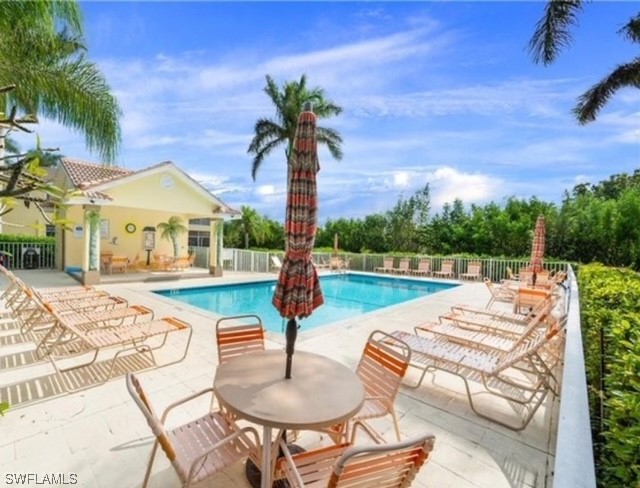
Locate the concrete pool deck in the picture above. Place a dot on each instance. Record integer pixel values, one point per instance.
(100, 435)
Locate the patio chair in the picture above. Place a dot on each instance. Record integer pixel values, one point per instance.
(386, 267)
(494, 369)
(423, 269)
(499, 293)
(197, 449)
(528, 298)
(446, 269)
(119, 264)
(403, 266)
(180, 263)
(473, 271)
(382, 367)
(388, 465)
(236, 340)
(276, 264)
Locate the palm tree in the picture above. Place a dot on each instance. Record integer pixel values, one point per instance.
(553, 33)
(171, 230)
(270, 133)
(253, 226)
(42, 54)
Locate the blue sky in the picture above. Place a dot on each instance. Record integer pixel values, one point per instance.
(441, 92)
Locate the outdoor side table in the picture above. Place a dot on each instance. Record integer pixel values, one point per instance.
(321, 393)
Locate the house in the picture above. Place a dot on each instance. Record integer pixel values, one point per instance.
(126, 207)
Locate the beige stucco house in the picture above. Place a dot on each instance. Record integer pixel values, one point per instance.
(130, 205)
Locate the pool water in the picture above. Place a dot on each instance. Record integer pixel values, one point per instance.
(345, 295)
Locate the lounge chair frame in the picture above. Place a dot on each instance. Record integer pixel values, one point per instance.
(90, 342)
(465, 362)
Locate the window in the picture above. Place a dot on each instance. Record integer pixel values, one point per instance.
(50, 230)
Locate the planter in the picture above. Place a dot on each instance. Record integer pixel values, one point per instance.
(90, 277)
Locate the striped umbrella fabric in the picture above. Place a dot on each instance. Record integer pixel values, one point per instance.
(298, 290)
(537, 248)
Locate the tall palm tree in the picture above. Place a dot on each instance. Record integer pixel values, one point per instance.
(171, 230)
(42, 53)
(289, 101)
(553, 33)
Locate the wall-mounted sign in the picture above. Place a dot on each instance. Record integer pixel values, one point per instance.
(149, 238)
(78, 231)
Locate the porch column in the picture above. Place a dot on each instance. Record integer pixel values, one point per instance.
(215, 247)
(91, 255)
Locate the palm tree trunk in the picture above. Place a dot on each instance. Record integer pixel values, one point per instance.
(175, 246)
(246, 240)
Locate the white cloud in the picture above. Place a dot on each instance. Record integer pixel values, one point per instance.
(447, 184)
(401, 179)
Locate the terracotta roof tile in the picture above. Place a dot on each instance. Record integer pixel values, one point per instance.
(84, 174)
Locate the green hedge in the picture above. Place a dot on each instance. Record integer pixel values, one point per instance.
(610, 305)
(26, 238)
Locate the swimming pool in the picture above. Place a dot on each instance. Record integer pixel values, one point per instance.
(345, 295)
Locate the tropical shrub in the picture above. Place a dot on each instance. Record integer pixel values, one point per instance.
(610, 305)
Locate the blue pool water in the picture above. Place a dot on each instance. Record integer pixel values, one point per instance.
(345, 295)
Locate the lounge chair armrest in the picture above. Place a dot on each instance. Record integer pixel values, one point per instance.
(196, 464)
(185, 400)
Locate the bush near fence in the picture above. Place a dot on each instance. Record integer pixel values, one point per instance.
(610, 305)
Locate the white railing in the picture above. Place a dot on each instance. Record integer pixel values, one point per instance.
(28, 255)
(574, 465)
(492, 268)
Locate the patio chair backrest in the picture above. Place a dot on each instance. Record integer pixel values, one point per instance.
(403, 264)
(447, 266)
(388, 262)
(424, 265)
(276, 262)
(389, 465)
(382, 366)
(237, 340)
(474, 267)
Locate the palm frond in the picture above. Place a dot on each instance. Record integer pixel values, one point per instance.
(263, 153)
(553, 30)
(631, 30)
(591, 101)
(332, 139)
(75, 94)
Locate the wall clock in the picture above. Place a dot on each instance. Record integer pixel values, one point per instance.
(130, 228)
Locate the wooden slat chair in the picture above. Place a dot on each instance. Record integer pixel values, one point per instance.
(474, 271)
(385, 466)
(119, 264)
(446, 269)
(493, 368)
(197, 449)
(387, 267)
(423, 269)
(236, 340)
(382, 367)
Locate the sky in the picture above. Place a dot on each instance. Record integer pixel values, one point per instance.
(443, 93)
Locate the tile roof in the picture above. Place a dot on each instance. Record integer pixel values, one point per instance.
(84, 175)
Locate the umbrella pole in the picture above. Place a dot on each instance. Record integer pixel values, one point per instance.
(291, 334)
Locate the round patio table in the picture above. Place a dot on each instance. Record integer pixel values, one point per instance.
(321, 393)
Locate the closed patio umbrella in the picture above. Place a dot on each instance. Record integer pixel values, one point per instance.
(537, 248)
(298, 291)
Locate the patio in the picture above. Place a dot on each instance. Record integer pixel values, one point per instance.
(100, 435)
